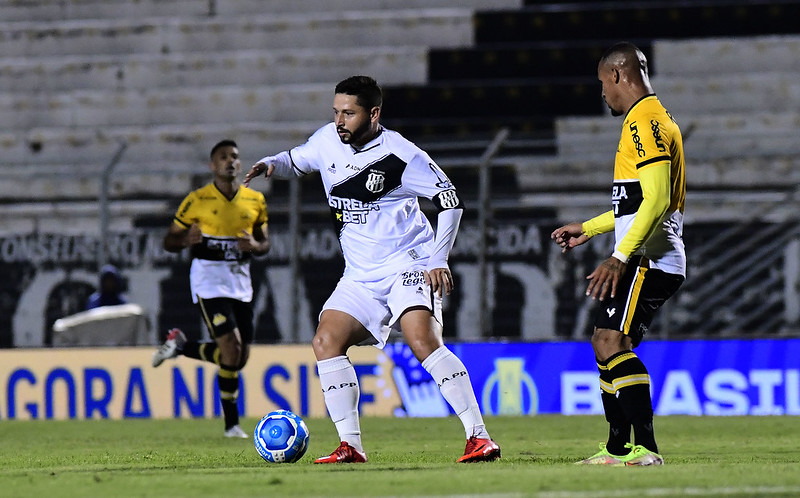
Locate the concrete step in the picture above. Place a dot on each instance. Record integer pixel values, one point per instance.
(389, 65)
(716, 56)
(176, 147)
(729, 93)
(68, 183)
(715, 136)
(228, 104)
(709, 206)
(551, 174)
(62, 10)
(75, 217)
(430, 27)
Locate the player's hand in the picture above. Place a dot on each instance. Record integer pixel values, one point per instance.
(440, 280)
(246, 242)
(569, 236)
(604, 279)
(257, 170)
(193, 235)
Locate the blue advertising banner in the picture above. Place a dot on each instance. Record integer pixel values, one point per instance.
(725, 377)
(695, 377)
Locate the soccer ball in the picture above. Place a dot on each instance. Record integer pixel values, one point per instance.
(281, 437)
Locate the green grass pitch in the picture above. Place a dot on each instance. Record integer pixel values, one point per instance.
(705, 456)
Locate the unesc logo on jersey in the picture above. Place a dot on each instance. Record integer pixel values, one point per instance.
(375, 181)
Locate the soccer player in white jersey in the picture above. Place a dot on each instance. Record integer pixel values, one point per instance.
(395, 265)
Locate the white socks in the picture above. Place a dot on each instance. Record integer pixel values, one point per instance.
(340, 390)
(452, 378)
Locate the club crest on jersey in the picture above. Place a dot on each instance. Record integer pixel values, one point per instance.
(375, 181)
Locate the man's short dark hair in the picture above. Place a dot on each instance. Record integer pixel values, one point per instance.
(223, 143)
(366, 90)
(625, 51)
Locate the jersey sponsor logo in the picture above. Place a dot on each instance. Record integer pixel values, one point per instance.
(353, 199)
(229, 248)
(637, 141)
(219, 250)
(449, 199)
(375, 181)
(654, 125)
(412, 278)
(626, 198)
(351, 210)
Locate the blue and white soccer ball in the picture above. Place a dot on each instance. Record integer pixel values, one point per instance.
(281, 437)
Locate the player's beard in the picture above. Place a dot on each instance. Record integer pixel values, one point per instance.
(354, 137)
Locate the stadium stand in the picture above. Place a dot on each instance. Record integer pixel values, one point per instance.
(80, 77)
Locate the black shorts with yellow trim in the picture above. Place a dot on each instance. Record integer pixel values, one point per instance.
(640, 293)
(222, 315)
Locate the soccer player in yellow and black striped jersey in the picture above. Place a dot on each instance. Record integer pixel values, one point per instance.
(649, 262)
(223, 224)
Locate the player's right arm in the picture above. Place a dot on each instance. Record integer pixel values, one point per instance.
(279, 165)
(574, 234)
(179, 237)
(184, 231)
(299, 161)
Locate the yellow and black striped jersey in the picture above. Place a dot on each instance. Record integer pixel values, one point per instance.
(650, 140)
(219, 268)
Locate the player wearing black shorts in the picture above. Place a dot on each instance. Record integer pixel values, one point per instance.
(649, 261)
(223, 223)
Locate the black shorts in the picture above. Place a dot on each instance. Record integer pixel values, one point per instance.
(640, 292)
(223, 314)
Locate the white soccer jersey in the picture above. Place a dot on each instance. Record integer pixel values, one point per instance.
(372, 194)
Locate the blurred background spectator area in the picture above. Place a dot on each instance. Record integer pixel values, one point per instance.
(108, 109)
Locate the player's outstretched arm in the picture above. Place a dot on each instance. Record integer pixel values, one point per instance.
(258, 169)
(569, 236)
(281, 165)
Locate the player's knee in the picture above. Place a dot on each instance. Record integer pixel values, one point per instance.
(607, 342)
(422, 347)
(231, 353)
(326, 345)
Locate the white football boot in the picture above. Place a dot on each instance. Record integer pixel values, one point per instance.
(236, 432)
(175, 340)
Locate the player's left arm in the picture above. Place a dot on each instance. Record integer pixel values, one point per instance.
(441, 279)
(426, 179)
(257, 240)
(656, 187)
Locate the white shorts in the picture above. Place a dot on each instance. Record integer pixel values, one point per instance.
(378, 305)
